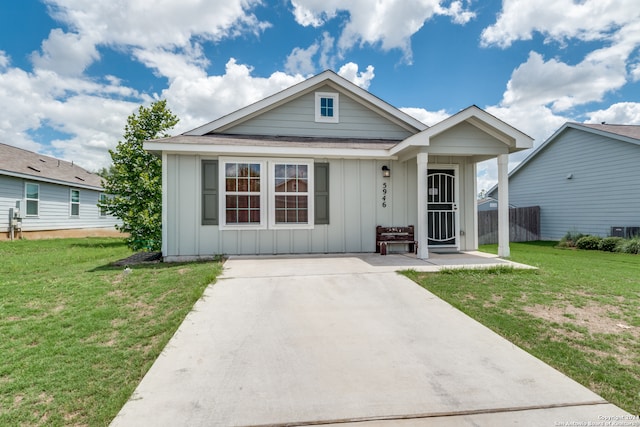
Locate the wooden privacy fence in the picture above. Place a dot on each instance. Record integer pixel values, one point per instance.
(524, 225)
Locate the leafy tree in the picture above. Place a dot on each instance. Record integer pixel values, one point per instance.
(134, 181)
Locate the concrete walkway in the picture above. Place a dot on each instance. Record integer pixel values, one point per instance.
(344, 340)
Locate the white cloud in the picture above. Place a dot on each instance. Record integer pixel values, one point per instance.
(429, 118)
(538, 82)
(350, 72)
(321, 52)
(150, 25)
(387, 23)
(300, 61)
(560, 20)
(66, 53)
(625, 113)
(199, 100)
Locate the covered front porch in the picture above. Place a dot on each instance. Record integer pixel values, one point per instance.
(446, 157)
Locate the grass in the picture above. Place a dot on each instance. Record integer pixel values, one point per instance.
(578, 312)
(79, 335)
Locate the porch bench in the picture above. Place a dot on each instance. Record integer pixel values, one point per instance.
(395, 235)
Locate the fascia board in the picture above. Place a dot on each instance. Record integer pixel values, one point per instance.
(268, 151)
(49, 180)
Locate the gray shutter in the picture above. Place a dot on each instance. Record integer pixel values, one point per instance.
(209, 192)
(321, 177)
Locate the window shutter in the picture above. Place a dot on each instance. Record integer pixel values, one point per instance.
(321, 178)
(209, 192)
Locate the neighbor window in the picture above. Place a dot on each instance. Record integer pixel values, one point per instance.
(327, 107)
(103, 209)
(290, 194)
(32, 196)
(243, 193)
(75, 202)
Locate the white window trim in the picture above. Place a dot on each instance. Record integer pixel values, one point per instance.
(267, 194)
(336, 109)
(310, 195)
(71, 202)
(27, 199)
(222, 202)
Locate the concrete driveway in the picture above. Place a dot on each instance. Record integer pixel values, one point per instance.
(342, 340)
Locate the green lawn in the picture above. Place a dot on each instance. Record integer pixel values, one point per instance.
(77, 335)
(580, 312)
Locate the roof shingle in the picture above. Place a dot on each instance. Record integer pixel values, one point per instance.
(14, 160)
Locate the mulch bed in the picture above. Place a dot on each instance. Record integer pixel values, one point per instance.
(140, 258)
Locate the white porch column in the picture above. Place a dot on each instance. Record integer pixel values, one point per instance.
(503, 205)
(422, 231)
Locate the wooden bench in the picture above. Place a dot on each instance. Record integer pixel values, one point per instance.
(392, 235)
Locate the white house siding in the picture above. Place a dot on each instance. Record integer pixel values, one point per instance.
(604, 190)
(355, 210)
(54, 207)
(297, 118)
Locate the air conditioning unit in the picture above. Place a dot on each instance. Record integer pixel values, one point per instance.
(633, 232)
(617, 231)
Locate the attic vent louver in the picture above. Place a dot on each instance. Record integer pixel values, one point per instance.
(33, 169)
(79, 178)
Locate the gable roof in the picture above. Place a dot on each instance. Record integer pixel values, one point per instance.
(626, 133)
(21, 163)
(327, 77)
(512, 137)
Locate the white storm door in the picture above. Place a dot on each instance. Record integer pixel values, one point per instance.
(442, 206)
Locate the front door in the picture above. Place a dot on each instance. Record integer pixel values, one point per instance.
(442, 207)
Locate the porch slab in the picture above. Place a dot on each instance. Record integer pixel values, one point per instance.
(353, 263)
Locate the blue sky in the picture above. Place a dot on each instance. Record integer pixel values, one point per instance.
(71, 71)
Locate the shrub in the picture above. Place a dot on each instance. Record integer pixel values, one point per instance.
(609, 244)
(631, 246)
(589, 243)
(569, 240)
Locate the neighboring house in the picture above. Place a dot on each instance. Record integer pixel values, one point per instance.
(585, 178)
(314, 169)
(56, 198)
(489, 204)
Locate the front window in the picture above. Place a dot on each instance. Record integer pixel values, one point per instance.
(243, 203)
(75, 202)
(32, 196)
(260, 194)
(291, 193)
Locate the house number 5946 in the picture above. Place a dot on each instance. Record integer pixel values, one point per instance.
(384, 194)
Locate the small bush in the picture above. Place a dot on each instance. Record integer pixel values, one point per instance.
(569, 240)
(589, 243)
(631, 246)
(609, 244)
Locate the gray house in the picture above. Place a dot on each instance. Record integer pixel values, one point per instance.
(54, 197)
(315, 168)
(585, 178)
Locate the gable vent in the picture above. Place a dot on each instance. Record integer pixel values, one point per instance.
(33, 169)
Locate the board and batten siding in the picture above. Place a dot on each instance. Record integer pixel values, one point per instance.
(355, 192)
(604, 189)
(54, 207)
(297, 118)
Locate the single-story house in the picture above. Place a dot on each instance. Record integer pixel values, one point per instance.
(489, 204)
(585, 178)
(46, 197)
(316, 167)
